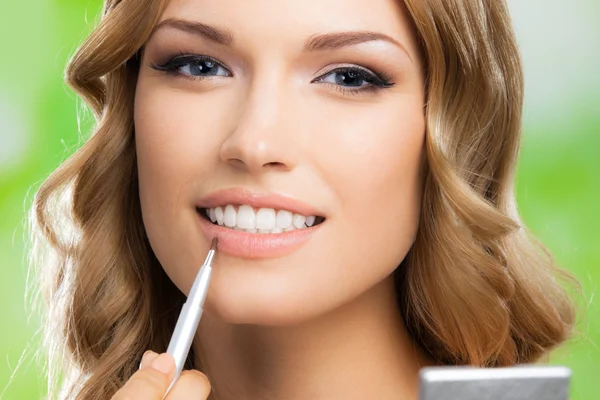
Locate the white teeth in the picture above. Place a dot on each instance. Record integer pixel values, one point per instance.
(266, 219)
(263, 221)
(230, 216)
(284, 219)
(246, 218)
(219, 215)
(299, 221)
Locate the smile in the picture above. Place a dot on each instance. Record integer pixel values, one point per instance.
(257, 225)
(248, 219)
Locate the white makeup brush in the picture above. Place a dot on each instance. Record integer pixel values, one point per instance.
(190, 314)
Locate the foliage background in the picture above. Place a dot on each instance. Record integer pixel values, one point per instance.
(558, 180)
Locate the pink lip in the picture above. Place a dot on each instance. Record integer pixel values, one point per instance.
(254, 245)
(237, 196)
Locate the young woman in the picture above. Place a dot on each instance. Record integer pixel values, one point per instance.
(356, 161)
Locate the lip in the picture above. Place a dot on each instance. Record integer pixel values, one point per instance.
(254, 245)
(238, 196)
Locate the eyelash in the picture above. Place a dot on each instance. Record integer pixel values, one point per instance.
(376, 81)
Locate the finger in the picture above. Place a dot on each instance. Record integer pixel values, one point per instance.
(151, 381)
(193, 385)
(147, 358)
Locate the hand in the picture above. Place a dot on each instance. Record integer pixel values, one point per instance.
(154, 377)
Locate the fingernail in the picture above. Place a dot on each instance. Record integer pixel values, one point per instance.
(148, 356)
(163, 363)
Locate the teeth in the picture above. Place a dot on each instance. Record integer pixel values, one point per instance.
(262, 221)
(284, 219)
(230, 217)
(219, 215)
(299, 221)
(266, 219)
(246, 218)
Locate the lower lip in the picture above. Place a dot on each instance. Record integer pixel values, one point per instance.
(256, 245)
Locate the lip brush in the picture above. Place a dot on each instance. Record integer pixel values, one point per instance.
(190, 314)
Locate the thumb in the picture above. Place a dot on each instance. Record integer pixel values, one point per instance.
(192, 385)
(151, 381)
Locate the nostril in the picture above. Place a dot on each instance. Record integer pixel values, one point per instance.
(276, 165)
(236, 162)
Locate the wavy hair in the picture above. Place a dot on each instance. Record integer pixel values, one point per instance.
(476, 288)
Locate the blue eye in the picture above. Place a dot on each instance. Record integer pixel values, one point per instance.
(348, 80)
(352, 80)
(192, 67)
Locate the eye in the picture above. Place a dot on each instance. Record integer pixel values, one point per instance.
(355, 80)
(192, 66)
(347, 80)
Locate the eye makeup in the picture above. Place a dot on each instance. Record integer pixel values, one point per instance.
(360, 80)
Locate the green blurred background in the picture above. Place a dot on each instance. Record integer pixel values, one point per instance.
(558, 184)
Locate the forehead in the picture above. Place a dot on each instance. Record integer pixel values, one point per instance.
(290, 22)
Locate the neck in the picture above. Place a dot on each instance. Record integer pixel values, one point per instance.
(360, 350)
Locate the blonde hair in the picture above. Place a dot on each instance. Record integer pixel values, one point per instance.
(475, 288)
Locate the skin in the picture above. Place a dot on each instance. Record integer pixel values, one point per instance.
(153, 378)
(321, 322)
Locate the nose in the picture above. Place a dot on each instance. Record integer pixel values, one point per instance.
(261, 141)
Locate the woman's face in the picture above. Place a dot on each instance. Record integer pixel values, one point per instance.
(268, 113)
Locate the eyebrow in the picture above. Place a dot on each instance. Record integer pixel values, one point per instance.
(315, 43)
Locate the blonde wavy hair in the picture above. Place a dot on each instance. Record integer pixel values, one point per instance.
(475, 288)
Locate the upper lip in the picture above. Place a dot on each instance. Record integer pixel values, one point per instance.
(238, 196)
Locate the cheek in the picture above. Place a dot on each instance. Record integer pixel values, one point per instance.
(377, 172)
(170, 136)
(172, 157)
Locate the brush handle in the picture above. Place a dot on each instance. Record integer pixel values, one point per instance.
(183, 336)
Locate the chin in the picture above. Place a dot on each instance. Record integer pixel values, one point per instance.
(261, 304)
(255, 313)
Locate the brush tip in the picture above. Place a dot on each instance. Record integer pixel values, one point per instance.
(214, 244)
